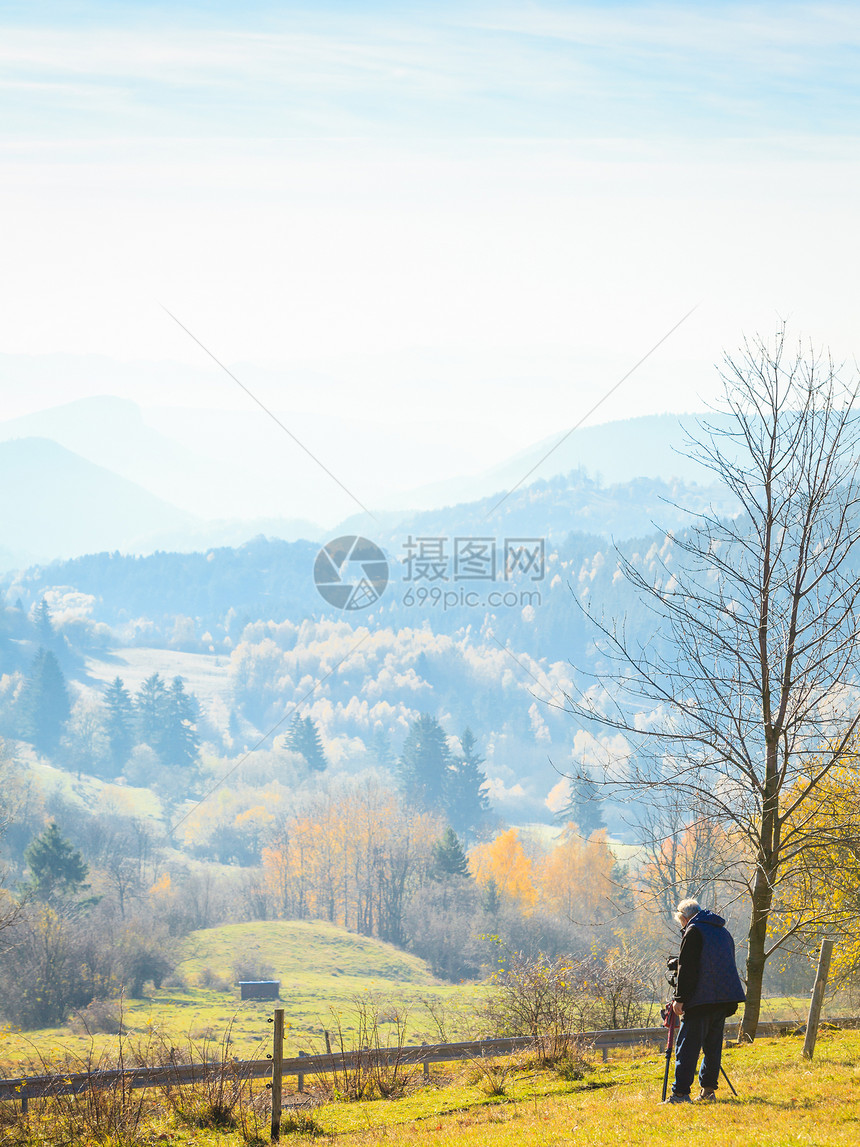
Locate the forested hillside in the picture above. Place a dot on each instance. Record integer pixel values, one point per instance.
(199, 737)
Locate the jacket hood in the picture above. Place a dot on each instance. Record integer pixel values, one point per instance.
(706, 917)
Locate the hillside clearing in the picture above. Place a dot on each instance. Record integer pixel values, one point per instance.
(323, 970)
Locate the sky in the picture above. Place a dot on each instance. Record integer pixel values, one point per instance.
(455, 225)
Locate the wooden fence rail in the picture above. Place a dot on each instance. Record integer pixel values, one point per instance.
(183, 1075)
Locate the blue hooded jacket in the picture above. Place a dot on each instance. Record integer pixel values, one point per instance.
(717, 981)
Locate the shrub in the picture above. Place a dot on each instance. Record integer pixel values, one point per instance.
(46, 970)
(251, 967)
(100, 1016)
(367, 1076)
(207, 978)
(101, 1113)
(491, 1075)
(222, 1092)
(550, 1000)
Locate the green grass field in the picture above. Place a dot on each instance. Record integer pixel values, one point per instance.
(783, 1101)
(322, 970)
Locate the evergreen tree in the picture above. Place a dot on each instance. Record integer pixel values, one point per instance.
(45, 703)
(42, 622)
(151, 705)
(381, 746)
(179, 743)
(119, 725)
(167, 720)
(424, 763)
(449, 857)
(584, 806)
(466, 800)
(491, 898)
(303, 737)
(58, 871)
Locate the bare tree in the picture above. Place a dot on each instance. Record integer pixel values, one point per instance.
(745, 699)
(684, 854)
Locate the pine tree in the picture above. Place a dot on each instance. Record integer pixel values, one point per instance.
(45, 703)
(179, 743)
(584, 806)
(42, 622)
(303, 737)
(466, 800)
(449, 857)
(58, 871)
(151, 707)
(119, 725)
(491, 898)
(381, 745)
(424, 762)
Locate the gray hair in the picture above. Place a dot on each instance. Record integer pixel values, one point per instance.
(686, 910)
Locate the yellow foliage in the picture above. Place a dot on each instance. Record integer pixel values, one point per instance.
(575, 879)
(349, 858)
(821, 894)
(504, 862)
(162, 886)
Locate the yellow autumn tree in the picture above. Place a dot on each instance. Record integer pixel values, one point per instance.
(577, 878)
(820, 894)
(351, 857)
(503, 862)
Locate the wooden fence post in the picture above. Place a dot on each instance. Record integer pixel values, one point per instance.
(301, 1078)
(277, 1073)
(817, 998)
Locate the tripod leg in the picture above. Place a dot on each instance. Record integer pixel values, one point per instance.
(666, 1073)
(728, 1081)
(670, 1042)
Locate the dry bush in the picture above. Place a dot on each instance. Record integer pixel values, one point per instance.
(100, 1016)
(551, 1000)
(365, 1075)
(573, 1063)
(207, 978)
(540, 998)
(491, 1074)
(221, 1091)
(103, 1112)
(251, 967)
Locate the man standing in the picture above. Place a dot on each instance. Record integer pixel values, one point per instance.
(709, 989)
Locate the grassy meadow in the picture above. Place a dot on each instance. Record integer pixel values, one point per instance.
(783, 1101)
(323, 970)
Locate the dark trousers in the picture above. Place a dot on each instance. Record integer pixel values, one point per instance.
(701, 1030)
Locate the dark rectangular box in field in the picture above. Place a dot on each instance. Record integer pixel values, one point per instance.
(260, 989)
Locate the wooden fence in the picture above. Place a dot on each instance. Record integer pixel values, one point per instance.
(182, 1075)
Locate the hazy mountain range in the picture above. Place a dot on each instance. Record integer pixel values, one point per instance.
(94, 475)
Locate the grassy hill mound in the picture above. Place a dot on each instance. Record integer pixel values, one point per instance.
(298, 952)
(327, 976)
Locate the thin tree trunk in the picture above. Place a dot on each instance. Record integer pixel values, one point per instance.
(762, 899)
